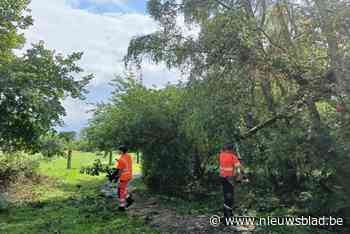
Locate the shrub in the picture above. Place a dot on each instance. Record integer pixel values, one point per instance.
(16, 165)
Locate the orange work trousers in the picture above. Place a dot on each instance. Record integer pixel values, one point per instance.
(123, 192)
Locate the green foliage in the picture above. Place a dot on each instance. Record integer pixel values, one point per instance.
(83, 146)
(268, 72)
(31, 96)
(255, 64)
(95, 169)
(52, 145)
(32, 85)
(152, 115)
(175, 128)
(67, 136)
(16, 165)
(14, 18)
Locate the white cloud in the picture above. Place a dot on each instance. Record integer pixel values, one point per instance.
(77, 114)
(159, 72)
(187, 30)
(103, 39)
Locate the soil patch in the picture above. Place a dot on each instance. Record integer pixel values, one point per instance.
(167, 220)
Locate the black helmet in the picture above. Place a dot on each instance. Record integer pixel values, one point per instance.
(228, 147)
(123, 148)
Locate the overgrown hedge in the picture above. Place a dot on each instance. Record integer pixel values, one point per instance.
(180, 130)
(16, 165)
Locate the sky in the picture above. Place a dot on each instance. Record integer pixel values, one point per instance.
(102, 30)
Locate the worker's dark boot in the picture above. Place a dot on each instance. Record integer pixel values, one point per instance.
(129, 201)
(121, 208)
(228, 216)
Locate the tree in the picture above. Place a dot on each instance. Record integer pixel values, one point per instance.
(14, 17)
(32, 85)
(148, 121)
(52, 145)
(100, 132)
(267, 43)
(284, 61)
(105, 130)
(68, 138)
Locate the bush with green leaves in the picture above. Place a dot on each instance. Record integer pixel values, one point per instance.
(16, 165)
(52, 145)
(95, 169)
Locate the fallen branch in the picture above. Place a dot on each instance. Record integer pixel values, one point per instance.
(265, 124)
(298, 104)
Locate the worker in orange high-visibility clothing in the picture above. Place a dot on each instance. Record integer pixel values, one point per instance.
(231, 171)
(124, 165)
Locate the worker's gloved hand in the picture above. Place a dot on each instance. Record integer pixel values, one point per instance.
(245, 179)
(112, 175)
(242, 179)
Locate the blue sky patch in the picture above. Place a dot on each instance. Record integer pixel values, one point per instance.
(138, 6)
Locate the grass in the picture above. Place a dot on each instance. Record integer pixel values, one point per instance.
(57, 167)
(68, 202)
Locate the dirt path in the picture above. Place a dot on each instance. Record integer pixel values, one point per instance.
(167, 220)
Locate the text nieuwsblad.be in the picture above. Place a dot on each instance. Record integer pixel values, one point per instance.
(284, 221)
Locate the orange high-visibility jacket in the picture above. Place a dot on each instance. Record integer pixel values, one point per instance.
(125, 165)
(228, 161)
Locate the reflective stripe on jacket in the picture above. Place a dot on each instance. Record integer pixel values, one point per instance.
(228, 161)
(125, 165)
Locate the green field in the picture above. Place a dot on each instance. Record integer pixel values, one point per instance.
(68, 202)
(57, 167)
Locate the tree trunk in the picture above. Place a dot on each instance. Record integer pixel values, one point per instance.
(110, 158)
(69, 159)
(249, 119)
(138, 157)
(196, 162)
(315, 118)
(327, 27)
(267, 92)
